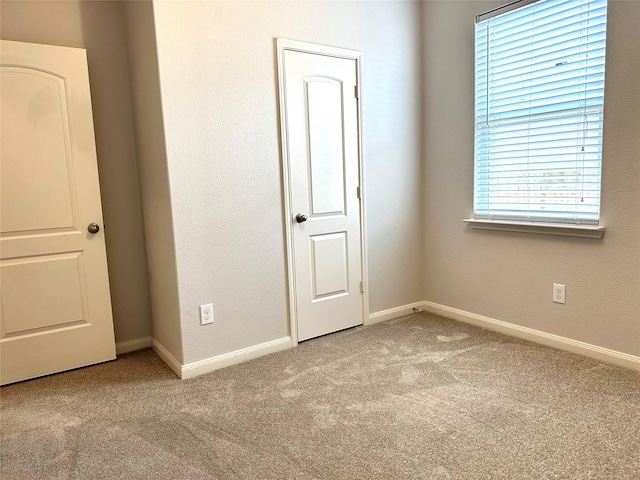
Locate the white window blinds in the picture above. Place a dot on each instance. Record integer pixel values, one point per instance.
(538, 112)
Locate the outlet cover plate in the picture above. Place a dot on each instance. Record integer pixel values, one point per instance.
(558, 293)
(206, 314)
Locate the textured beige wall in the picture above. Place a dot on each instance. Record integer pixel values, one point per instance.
(154, 177)
(509, 276)
(218, 78)
(98, 27)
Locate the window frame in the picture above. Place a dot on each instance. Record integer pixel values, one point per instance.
(538, 224)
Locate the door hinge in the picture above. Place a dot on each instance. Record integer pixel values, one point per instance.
(361, 287)
(356, 92)
(358, 192)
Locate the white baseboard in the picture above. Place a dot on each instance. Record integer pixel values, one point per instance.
(562, 343)
(133, 345)
(207, 365)
(548, 339)
(167, 358)
(392, 313)
(214, 363)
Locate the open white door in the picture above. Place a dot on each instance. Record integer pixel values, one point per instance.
(55, 311)
(320, 115)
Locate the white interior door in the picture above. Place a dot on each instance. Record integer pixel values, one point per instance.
(322, 146)
(55, 311)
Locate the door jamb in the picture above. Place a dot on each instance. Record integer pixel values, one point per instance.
(283, 45)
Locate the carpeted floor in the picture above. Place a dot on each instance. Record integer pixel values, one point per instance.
(418, 397)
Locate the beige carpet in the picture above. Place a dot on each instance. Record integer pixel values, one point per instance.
(419, 397)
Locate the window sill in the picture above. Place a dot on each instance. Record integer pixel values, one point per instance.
(585, 231)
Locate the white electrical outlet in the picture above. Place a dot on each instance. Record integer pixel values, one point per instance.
(558, 293)
(206, 314)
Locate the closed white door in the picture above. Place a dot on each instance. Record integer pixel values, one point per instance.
(321, 118)
(55, 310)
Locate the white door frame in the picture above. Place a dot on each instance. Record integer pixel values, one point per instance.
(283, 45)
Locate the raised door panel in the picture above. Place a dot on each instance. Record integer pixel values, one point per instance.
(324, 97)
(330, 266)
(42, 293)
(37, 191)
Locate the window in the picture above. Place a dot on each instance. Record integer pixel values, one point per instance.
(539, 82)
